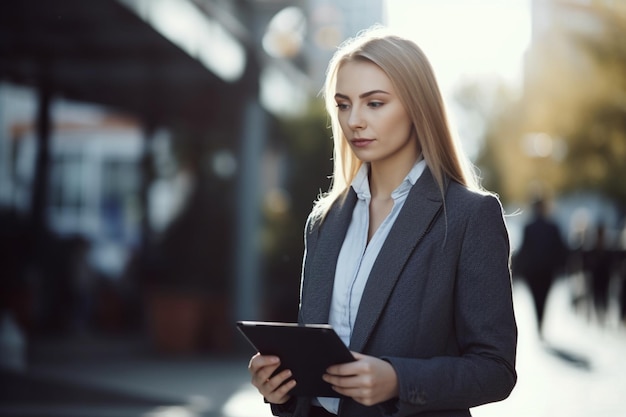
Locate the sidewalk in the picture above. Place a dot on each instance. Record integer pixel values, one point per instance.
(122, 378)
(580, 372)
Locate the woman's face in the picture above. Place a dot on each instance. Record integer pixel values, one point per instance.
(371, 115)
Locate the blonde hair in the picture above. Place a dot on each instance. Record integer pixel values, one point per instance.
(413, 78)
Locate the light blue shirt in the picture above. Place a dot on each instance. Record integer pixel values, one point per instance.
(357, 256)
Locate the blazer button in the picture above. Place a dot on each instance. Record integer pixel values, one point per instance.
(418, 397)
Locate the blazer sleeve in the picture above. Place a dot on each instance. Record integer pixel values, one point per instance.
(486, 334)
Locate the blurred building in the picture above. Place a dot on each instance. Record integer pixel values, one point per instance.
(558, 26)
(95, 100)
(119, 119)
(331, 22)
(553, 24)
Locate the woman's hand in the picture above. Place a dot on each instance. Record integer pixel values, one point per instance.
(368, 380)
(273, 388)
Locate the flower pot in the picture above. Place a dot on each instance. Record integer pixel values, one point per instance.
(175, 320)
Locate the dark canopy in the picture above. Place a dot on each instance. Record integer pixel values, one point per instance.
(99, 51)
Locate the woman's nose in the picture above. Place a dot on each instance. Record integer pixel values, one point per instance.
(355, 121)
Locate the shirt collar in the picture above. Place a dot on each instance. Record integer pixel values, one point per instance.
(416, 172)
(361, 185)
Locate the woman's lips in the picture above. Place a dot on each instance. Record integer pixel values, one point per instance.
(360, 143)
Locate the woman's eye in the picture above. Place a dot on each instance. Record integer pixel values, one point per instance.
(375, 104)
(342, 106)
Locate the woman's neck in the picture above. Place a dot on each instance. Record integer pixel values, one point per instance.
(386, 176)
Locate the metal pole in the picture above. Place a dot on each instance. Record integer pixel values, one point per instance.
(248, 288)
(39, 201)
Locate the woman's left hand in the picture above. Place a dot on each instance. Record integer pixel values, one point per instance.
(368, 380)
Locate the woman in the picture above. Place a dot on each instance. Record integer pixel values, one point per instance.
(405, 256)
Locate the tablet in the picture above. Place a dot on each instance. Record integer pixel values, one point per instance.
(307, 350)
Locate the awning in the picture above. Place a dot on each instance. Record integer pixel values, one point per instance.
(101, 51)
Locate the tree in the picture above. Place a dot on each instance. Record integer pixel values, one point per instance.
(597, 147)
(567, 131)
(307, 145)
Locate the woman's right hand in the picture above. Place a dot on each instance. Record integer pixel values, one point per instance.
(273, 388)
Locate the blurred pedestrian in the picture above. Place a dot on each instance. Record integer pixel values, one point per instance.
(541, 256)
(621, 262)
(406, 256)
(622, 285)
(598, 264)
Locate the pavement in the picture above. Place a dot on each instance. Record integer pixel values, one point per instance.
(578, 370)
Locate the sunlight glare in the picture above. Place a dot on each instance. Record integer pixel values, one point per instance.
(466, 38)
(246, 403)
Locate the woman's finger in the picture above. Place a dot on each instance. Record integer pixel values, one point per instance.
(274, 382)
(259, 361)
(261, 369)
(276, 388)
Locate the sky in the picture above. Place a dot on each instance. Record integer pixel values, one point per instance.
(466, 38)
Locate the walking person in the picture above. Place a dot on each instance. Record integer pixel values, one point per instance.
(541, 256)
(621, 273)
(598, 263)
(405, 256)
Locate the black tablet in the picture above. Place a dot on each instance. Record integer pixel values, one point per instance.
(307, 350)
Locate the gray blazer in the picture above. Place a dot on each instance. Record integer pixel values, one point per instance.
(437, 304)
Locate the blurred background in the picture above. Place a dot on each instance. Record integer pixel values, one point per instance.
(158, 160)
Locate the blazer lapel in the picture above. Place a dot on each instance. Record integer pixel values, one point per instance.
(414, 220)
(320, 275)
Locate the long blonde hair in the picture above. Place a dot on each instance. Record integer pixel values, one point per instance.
(413, 78)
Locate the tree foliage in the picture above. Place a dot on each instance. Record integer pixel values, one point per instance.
(567, 131)
(597, 147)
(307, 145)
